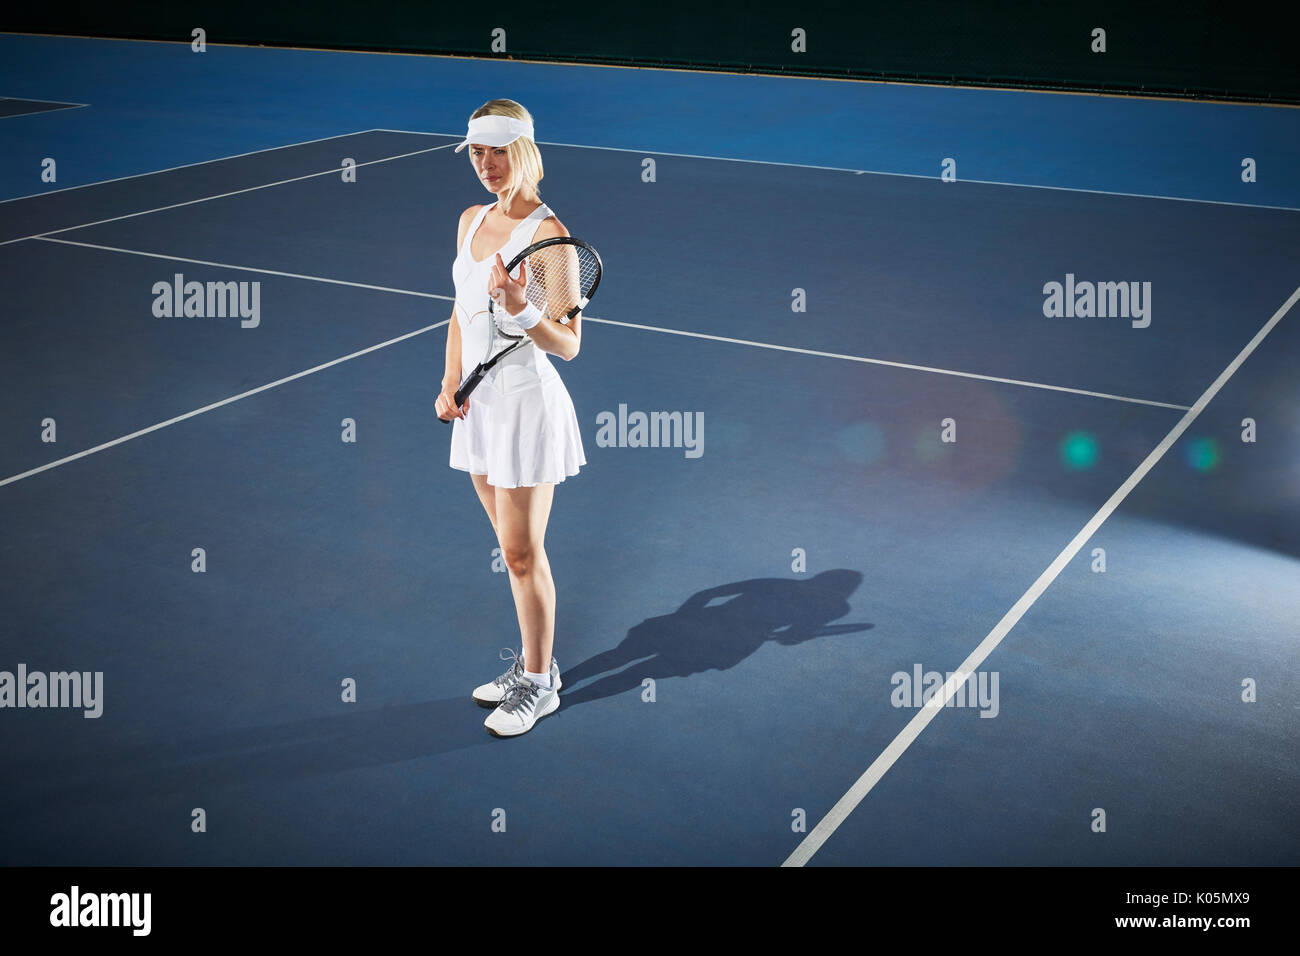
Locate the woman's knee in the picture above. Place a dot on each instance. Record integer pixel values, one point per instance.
(519, 558)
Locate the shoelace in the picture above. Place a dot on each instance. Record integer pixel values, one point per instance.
(521, 695)
(516, 668)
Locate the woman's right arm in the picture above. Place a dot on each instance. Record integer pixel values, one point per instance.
(445, 406)
(451, 376)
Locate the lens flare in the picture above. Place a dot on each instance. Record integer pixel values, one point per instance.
(1202, 454)
(928, 447)
(1079, 450)
(862, 442)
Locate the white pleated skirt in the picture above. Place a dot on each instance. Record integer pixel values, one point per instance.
(519, 439)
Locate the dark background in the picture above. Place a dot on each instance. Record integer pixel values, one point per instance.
(1193, 48)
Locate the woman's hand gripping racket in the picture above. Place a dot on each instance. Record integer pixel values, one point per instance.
(562, 276)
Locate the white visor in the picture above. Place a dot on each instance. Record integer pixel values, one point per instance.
(495, 131)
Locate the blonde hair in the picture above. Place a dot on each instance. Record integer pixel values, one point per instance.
(525, 159)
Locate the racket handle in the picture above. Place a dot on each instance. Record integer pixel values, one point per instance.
(463, 393)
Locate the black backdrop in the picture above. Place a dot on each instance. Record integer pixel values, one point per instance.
(1165, 47)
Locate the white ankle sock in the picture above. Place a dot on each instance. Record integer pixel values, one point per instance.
(541, 680)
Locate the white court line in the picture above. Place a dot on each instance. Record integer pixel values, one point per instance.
(633, 325)
(57, 109)
(903, 365)
(227, 265)
(236, 192)
(220, 159)
(34, 99)
(224, 401)
(45, 236)
(846, 804)
(869, 172)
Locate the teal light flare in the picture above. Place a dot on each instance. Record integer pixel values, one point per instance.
(1202, 454)
(1079, 450)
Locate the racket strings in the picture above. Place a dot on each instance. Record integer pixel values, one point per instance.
(560, 279)
(506, 326)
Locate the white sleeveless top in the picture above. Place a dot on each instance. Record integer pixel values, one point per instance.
(521, 429)
(524, 368)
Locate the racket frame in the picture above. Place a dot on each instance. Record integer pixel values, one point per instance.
(472, 380)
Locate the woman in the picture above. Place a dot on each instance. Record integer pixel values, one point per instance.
(518, 434)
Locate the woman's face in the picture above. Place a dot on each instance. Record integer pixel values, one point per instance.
(491, 165)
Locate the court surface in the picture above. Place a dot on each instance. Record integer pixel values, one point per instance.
(884, 476)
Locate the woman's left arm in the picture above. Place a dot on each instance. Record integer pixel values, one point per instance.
(549, 336)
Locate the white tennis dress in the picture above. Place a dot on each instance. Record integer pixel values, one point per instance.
(521, 429)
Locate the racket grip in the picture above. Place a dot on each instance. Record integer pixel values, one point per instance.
(462, 393)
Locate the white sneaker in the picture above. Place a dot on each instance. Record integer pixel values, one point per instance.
(489, 695)
(524, 704)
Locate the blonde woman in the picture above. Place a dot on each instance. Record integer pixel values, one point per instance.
(518, 435)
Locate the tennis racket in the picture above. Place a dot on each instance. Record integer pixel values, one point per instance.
(563, 274)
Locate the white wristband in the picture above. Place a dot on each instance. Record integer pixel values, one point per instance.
(527, 318)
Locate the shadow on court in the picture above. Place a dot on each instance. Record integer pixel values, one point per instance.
(717, 629)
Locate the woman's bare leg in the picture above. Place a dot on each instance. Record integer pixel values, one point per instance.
(487, 495)
(521, 517)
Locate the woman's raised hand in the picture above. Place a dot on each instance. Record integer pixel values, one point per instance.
(506, 292)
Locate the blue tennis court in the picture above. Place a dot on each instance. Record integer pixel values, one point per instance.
(840, 447)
